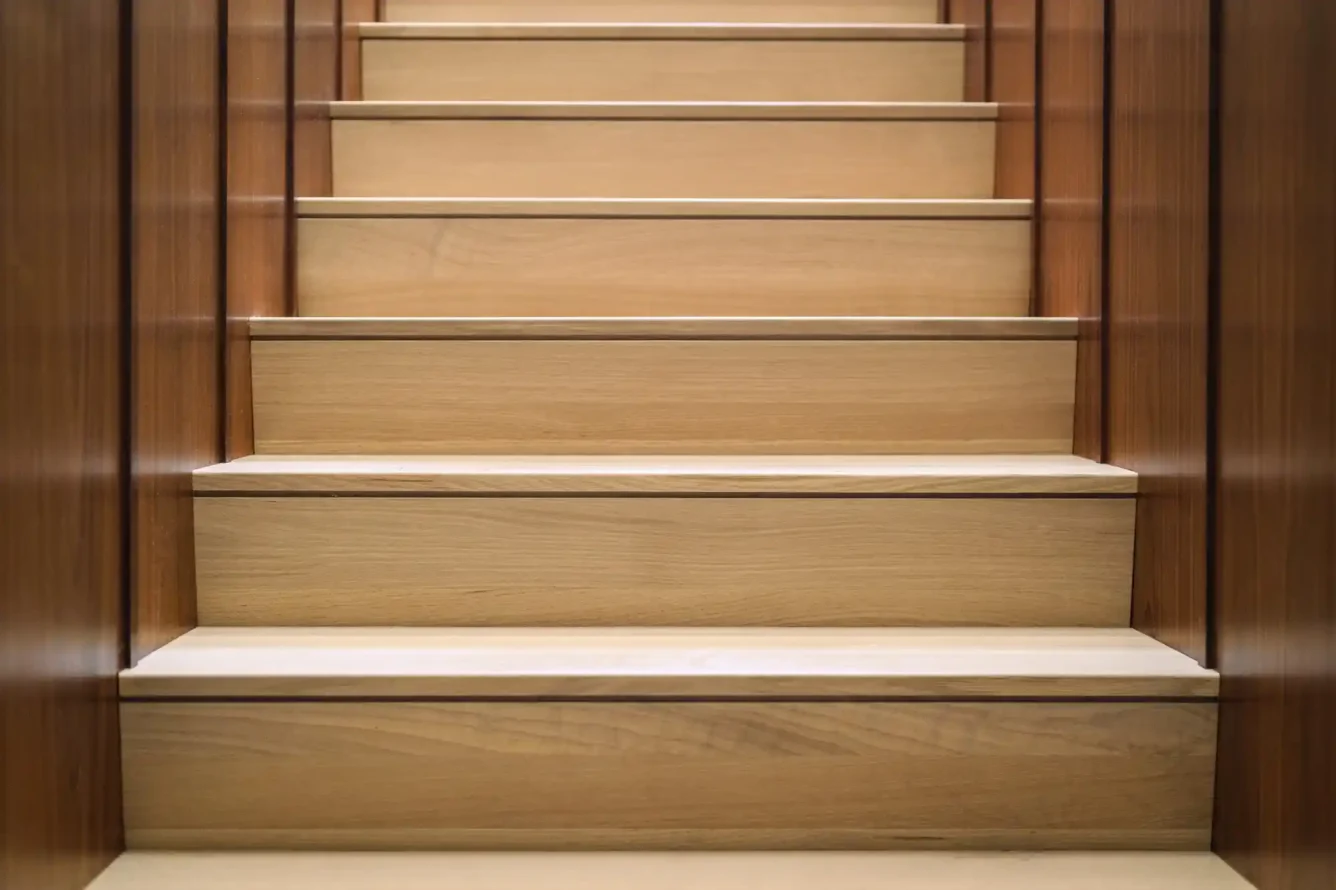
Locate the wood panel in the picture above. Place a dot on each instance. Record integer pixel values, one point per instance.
(974, 15)
(667, 561)
(669, 775)
(662, 396)
(1157, 323)
(383, 266)
(176, 302)
(1071, 193)
(316, 82)
(1275, 614)
(1014, 60)
(257, 193)
(350, 62)
(61, 488)
(713, 69)
(829, 11)
(664, 158)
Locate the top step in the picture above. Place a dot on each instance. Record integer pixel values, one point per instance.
(840, 11)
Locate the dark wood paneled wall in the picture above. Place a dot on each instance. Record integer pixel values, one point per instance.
(1275, 606)
(1157, 325)
(175, 301)
(318, 39)
(61, 442)
(1014, 85)
(973, 14)
(258, 209)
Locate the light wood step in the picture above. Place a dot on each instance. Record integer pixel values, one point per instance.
(837, 11)
(636, 62)
(757, 386)
(617, 541)
(664, 149)
(670, 871)
(432, 257)
(447, 739)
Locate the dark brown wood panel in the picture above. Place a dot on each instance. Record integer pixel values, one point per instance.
(258, 229)
(176, 302)
(973, 14)
(1071, 196)
(1157, 324)
(1014, 81)
(1275, 614)
(350, 65)
(316, 84)
(60, 441)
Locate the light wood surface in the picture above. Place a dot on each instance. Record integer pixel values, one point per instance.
(669, 871)
(657, 31)
(664, 561)
(628, 67)
(836, 11)
(434, 266)
(879, 328)
(663, 111)
(910, 474)
(482, 775)
(655, 208)
(664, 158)
(662, 397)
(597, 663)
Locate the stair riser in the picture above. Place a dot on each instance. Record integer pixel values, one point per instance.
(815, 11)
(664, 70)
(369, 775)
(664, 158)
(651, 267)
(618, 562)
(662, 397)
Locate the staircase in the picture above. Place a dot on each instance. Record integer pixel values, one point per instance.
(664, 460)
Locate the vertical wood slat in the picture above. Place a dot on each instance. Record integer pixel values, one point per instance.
(973, 14)
(1014, 82)
(354, 13)
(317, 38)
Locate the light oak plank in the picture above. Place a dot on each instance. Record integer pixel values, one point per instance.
(657, 208)
(837, 11)
(1024, 775)
(670, 871)
(662, 397)
(657, 31)
(903, 475)
(665, 328)
(703, 68)
(664, 561)
(664, 158)
(661, 111)
(597, 663)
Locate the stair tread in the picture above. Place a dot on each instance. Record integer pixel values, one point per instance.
(656, 31)
(664, 328)
(597, 663)
(455, 110)
(758, 208)
(661, 871)
(814, 474)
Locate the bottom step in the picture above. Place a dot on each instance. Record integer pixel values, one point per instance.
(669, 871)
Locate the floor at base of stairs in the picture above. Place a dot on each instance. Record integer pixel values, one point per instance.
(669, 871)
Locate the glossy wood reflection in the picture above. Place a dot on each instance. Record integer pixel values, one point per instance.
(973, 14)
(1014, 81)
(316, 41)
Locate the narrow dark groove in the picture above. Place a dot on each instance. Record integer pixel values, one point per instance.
(1037, 218)
(224, 423)
(1213, 342)
(125, 463)
(1106, 225)
(290, 158)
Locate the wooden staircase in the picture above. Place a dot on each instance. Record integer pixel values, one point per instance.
(663, 460)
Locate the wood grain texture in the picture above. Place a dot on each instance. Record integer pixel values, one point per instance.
(664, 561)
(620, 474)
(660, 31)
(257, 193)
(61, 430)
(974, 15)
(1275, 610)
(833, 11)
(669, 775)
(1071, 249)
(664, 158)
(1014, 58)
(672, 871)
(599, 663)
(659, 111)
(505, 266)
(355, 12)
(637, 69)
(655, 208)
(662, 397)
(1157, 325)
(316, 41)
(176, 302)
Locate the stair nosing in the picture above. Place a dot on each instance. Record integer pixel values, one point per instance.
(936, 112)
(668, 208)
(686, 31)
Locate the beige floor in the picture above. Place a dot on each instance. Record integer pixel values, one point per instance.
(669, 871)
